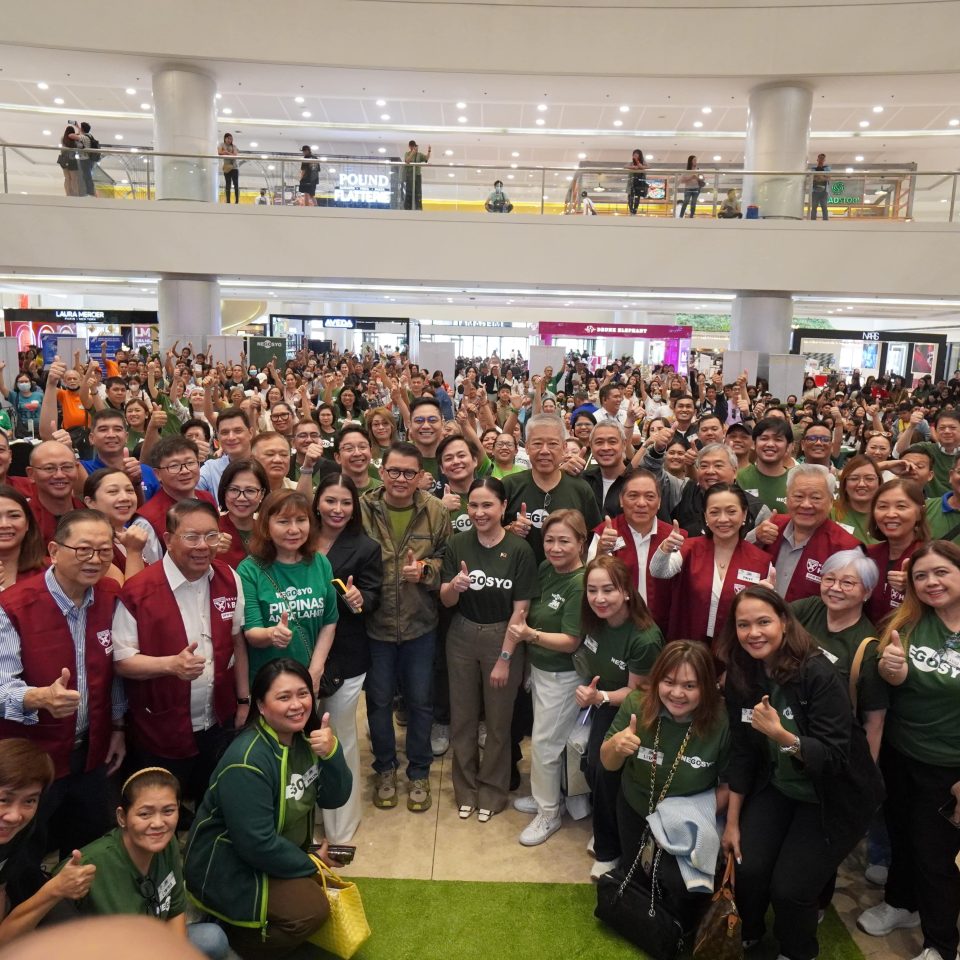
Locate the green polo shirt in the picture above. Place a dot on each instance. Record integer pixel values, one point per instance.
(855, 523)
(556, 610)
(839, 648)
(941, 517)
(771, 490)
(613, 653)
(942, 464)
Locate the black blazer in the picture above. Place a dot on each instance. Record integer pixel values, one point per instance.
(833, 746)
(355, 555)
(609, 506)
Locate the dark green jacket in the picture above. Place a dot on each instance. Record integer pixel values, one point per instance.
(235, 844)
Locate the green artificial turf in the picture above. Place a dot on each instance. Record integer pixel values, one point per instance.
(436, 919)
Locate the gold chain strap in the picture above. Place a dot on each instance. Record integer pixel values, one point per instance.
(673, 769)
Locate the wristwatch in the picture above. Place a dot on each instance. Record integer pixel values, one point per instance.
(506, 656)
(605, 697)
(793, 749)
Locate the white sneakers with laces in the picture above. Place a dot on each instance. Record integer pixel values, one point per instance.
(883, 919)
(539, 830)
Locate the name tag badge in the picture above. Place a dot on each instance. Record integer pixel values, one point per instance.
(746, 716)
(829, 655)
(646, 753)
(748, 576)
(848, 527)
(754, 492)
(952, 657)
(590, 644)
(619, 545)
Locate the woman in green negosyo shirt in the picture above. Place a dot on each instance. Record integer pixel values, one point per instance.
(490, 576)
(859, 481)
(290, 603)
(552, 633)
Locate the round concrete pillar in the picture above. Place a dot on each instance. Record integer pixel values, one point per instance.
(761, 322)
(188, 309)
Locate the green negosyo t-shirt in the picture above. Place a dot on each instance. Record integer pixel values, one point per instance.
(556, 610)
(613, 653)
(771, 490)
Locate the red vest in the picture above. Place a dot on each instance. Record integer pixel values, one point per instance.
(829, 538)
(884, 599)
(46, 647)
(21, 484)
(159, 709)
(238, 550)
(658, 591)
(693, 585)
(154, 511)
(45, 519)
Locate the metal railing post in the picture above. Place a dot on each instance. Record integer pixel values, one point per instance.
(6, 186)
(543, 189)
(953, 194)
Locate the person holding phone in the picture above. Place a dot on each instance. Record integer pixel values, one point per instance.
(920, 755)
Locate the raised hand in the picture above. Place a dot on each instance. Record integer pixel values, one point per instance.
(893, 661)
(411, 571)
(352, 595)
(323, 740)
(523, 524)
(280, 633)
(61, 701)
(674, 540)
(766, 719)
(588, 695)
(767, 531)
(461, 582)
(131, 466)
(608, 537)
(186, 665)
(450, 499)
(133, 539)
(626, 741)
(73, 882)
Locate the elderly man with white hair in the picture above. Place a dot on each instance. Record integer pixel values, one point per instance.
(802, 541)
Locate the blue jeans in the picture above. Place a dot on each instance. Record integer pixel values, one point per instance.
(411, 663)
(87, 189)
(209, 939)
(689, 197)
(818, 198)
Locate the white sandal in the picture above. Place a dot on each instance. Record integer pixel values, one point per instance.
(465, 811)
(484, 815)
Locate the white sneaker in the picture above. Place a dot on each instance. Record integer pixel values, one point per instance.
(876, 873)
(539, 830)
(590, 849)
(930, 953)
(440, 739)
(883, 919)
(482, 735)
(600, 867)
(529, 805)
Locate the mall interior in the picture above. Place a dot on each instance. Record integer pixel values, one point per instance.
(548, 97)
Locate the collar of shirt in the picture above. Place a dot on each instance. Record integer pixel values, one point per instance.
(642, 539)
(789, 537)
(176, 578)
(65, 604)
(944, 503)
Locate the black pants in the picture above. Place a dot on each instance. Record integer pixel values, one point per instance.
(923, 847)
(75, 810)
(232, 176)
(685, 906)
(192, 772)
(635, 195)
(441, 679)
(413, 193)
(604, 785)
(787, 862)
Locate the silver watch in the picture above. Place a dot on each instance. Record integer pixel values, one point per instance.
(793, 749)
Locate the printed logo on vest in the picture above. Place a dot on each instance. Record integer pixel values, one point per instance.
(105, 639)
(813, 570)
(225, 606)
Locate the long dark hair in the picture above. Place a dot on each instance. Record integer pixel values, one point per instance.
(796, 648)
(355, 523)
(263, 681)
(740, 496)
(619, 575)
(33, 550)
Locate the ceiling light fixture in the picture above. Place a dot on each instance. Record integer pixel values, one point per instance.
(516, 153)
(461, 119)
(618, 123)
(384, 116)
(298, 99)
(263, 156)
(118, 136)
(581, 156)
(717, 158)
(381, 149)
(698, 123)
(461, 105)
(448, 153)
(381, 103)
(878, 109)
(306, 114)
(955, 123)
(144, 106)
(43, 86)
(58, 101)
(226, 111)
(47, 133)
(253, 143)
(218, 96)
(131, 91)
(540, 121)
(859, 159)
(541, 107)
(624, 108)
(706, 109)
(848, 170)
(864, 124)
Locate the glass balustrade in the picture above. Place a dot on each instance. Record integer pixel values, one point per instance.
(849, 193)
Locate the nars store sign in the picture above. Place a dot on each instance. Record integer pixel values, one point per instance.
(363, 188)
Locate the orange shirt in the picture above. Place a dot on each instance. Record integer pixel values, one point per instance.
(73, 412)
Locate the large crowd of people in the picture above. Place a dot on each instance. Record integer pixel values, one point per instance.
(741, 610)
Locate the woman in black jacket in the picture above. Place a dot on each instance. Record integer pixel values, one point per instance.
(803, 787)
(356, 562)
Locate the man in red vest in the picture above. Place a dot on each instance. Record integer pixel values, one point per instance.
(176, 460)
(800, 542)
(57, 683)
(178, 635)
(53, 473)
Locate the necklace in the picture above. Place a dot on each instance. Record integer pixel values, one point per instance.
(673, 768)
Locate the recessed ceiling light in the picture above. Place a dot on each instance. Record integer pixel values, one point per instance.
(650, 156)
(384, 116)
(878, 109)
(540, 121)
(569, 178)
(131, 91)
(271, 167)
(859, 159)
(461, 105)
(306, 114)
(298, 99)
(461, 119)
(513, 166)
(448, 153)
(134, 150)
(331, 169)
(263, 156)
(864, 124)
(47, 133)
(541, 107)
(381, 103)
(955, 123)
(144, 106)
(624, 108)
(254, 144)
(118, 136)
(323, 159)
(698, 123)
(516, 153)
(381, 149)
(509, 176)
(618, 123)
(43, 86)
(451, 174)
(706, 109)
(314, 146)
(717, 158)
(581, 156)
(58, 101)
(848, 169)
(227, 111)
(219, 96)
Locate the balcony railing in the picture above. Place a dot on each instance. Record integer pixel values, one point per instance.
(848, 193)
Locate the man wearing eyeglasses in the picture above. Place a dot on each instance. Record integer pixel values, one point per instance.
(178, 642)
(353, 454)
(53, 474)
(412, 528)
(57, 682)
(177, 462)
(108, 437)
(816, 445)
(425, 431)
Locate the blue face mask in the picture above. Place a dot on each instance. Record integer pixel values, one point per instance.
(25, 387)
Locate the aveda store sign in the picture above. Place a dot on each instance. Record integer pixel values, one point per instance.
(363, 189)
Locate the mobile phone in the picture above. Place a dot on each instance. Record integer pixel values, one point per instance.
(342, 591)
(947, 811)
(339, 852)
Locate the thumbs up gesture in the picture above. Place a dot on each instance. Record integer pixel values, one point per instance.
(186, 664)
(60, 701)
(626, 742)
(893, 661)
(280, 633)
(412, 570)
(767, 720)
(770, 580)
(461, 582)
(768, 531)
(608, 537)
(352, 595)
(588, 696)
(450, 499)
(74, 880)
(131, 466)
(523, 524)
(674, 540)
(323, 740)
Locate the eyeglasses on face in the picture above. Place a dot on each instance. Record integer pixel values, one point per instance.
(279, 416)
(179, 466)
(211, 539)
(846, 584)
(51, 469)
(244, 493)
(420, 421)
(395, 473)
(85, 554)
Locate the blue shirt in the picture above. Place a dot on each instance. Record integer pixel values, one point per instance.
(210, 474)
(147, 477)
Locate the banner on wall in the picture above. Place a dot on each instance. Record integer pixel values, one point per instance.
(634, 331)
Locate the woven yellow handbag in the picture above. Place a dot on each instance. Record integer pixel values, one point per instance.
(347, 929)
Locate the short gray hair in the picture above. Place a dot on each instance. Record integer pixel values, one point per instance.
(610, 425)
(549, 420)
(812, 470)
(866, 569)
(712, 448)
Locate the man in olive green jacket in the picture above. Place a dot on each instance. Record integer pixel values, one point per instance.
(412, 528)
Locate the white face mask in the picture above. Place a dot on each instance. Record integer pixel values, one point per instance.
(25, 387)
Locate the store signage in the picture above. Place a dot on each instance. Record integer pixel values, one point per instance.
(871, 335)
(41, 315)
(363, 188)
(339, 323)
(846, 193)
(653, 331)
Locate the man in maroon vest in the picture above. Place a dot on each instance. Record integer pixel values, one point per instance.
(800, 542)
(53, 473)
(176, 461)
(57, 683)
(178, 636)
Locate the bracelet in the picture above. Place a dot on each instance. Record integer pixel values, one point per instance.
(243, 701)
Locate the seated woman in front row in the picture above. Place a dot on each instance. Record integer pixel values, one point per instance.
(246, 860)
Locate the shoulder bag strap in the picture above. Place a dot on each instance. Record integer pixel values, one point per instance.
(855, 668)
(296, 623)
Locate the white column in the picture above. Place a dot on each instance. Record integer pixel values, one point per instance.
(188, 309)
(185, 122)
(761, 322)
(778, 134)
